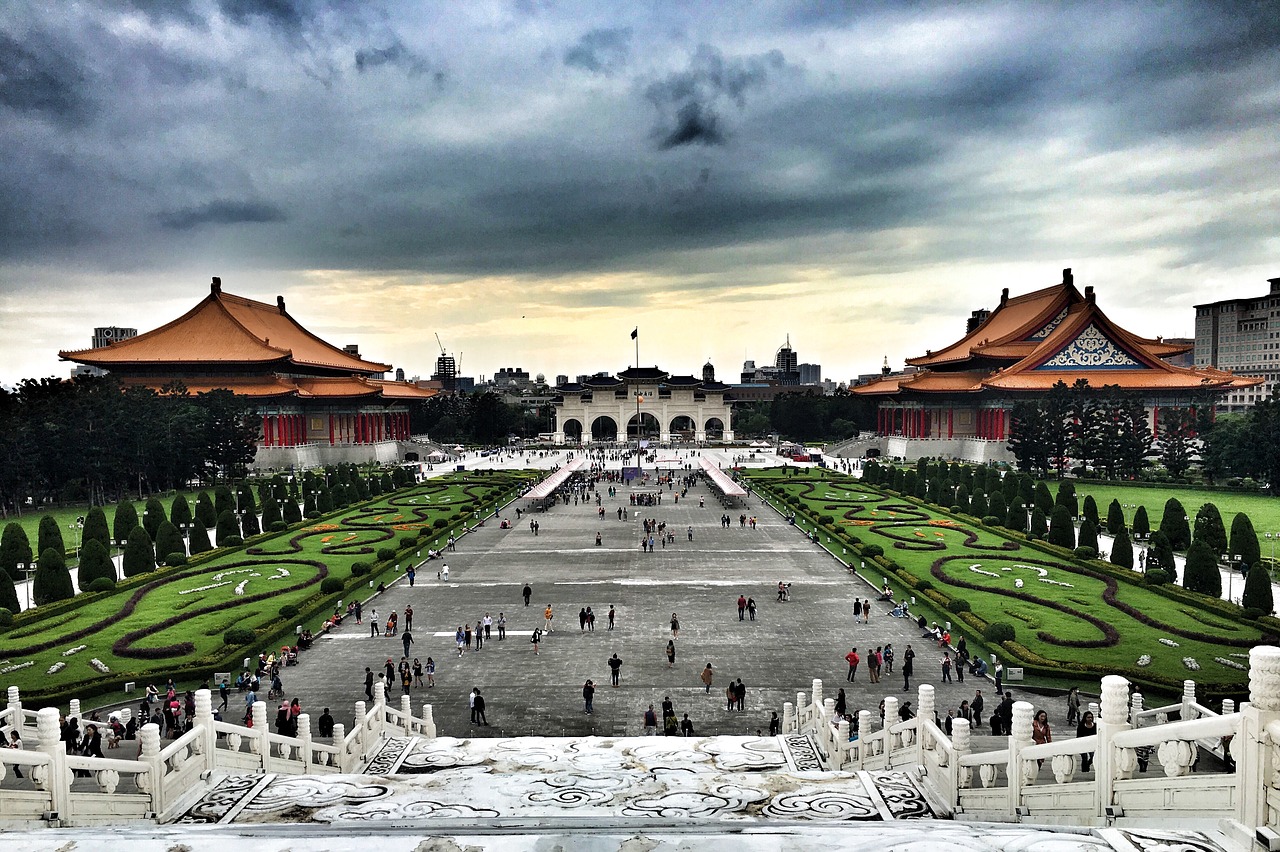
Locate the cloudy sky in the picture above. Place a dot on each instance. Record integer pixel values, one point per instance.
(532, 179)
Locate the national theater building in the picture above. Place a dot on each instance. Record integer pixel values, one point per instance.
(958, 402)
(318, 404)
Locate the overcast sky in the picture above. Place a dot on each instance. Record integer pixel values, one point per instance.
(532, 179)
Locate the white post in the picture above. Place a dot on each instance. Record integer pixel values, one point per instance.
(1188, 698)
(1252, 748)
(58, 780)
(962, 743)
(864, 728)
(1135, 707)
(428, 722)
(802, 701)
(339, 735)
(260, 732)
(378, 722)
(817, 692)
(1228, 707)
(788, 717)
(73, 708)
(842, 733)
(1112, 720)
(406, 707)
(926, 709)
(304, 738)
(15, 708)
(207, 745)
(890, 719)
(149, 741)
(1019, 738)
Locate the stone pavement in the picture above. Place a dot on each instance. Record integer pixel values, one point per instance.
(777, 655)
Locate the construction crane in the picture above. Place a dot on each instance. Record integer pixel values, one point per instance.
(438, 343)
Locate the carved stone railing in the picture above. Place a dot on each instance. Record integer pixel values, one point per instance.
(119, 790)
(1044, 782)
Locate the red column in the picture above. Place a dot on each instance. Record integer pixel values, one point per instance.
(951, 422)
(359, 428)
(1155, 420)
(1004, 424)
(982, 423)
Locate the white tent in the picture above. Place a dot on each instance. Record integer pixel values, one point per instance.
(436, 456)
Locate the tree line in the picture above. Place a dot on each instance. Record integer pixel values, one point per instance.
(1104, 431)
(806, 416)
(90, 439)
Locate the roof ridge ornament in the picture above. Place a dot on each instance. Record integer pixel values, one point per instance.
(215, 286)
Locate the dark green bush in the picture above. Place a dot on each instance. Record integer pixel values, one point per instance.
(999, 631)
(359, 569)
(278, 526)
(959, 605)
(102, 584)
(386, 554)
(313, 513)
(231, 541)
(924, 585)
(826, 519)
(1085, 553)
(440, 523)
(1156, 577)
(175, 559)
(239, 636)
(289, 611)
(872, 550)
(6, 619)
(991, 521)
(330, 586)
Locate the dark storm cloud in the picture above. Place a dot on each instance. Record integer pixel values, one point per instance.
(39, 77)
(395, 54)
(285, 15)
(222, 212)
(689, 101)
(601, 51)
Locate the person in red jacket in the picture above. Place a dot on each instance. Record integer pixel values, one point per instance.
(852, 659)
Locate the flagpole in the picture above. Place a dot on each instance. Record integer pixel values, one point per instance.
(636, 335)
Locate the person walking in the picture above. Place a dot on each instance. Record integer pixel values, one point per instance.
(548, 615)
(373, 622)
(686, 726)
(479, 708)
(359, 613)
(406, 639)
(488, 627)
(1073, 705)
(874, 661)
(775, 724)
(740, 694)
(650, 722)
(908, 664)
(852, 659)
(582, 620)
(479, 634)
(417, 672)
(224, 692)
(946, 668)
(461, 638)
(612, 614)
(707, 677)
(615, 666)
(857, 609)
(1086, 728)
(671, 653)
(742, 607)
(431, 672)
(887, 657)
(527, 593)
(675, 626)
(588, 693)
(368, 683)
(466, 634)
(975, 707)
(536, 639)
(751, 609)
(1040, 731)
(502, 626)
(408, 616)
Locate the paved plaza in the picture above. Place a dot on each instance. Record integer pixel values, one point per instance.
(776, 655)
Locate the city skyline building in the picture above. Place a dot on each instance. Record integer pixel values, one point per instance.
(1241, 335)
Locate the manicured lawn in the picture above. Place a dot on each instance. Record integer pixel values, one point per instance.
(1062, 611)
(66, 517)
(1263, 510)
(177, 617)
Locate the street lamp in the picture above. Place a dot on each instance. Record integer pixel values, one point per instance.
(78, 526)
(186, 532)
(1235, 559)
(27, 569)
(1271, 537)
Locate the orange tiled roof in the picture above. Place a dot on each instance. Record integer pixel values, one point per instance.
(402, 390)
(303, 387)
(1009, 324)
(252, 386)
(224, 328)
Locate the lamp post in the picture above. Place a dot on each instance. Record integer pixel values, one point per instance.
(1271, 537)
(1231, 577)
(27, 569)
(186, 533)
(78, 526)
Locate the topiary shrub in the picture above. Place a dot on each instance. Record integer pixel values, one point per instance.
(999, 631)
(990, 521)
(1085, 553)
(313, 513)
(1156, 577)
(278, 526)
(871, 551)
(174, 560)
(826, 519)
(102, 584)
(231, 541)
(386, 554)
(237, 636)
(440, 523)
(289, 611)
(6, 619)
(330, 586)
(457, 516)
(924, 585)
(959, 605)
(359, 569)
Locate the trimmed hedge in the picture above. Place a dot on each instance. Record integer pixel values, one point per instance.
(999, 631)
(330, 586)
(238, 636)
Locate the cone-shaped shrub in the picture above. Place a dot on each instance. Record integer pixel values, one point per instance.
(15, 549)
(95, 562)
(49, 536)
(52, 581)
(139, 554)
(96, 528)
(169, 540)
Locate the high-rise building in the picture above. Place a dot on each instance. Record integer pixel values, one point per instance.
(1242, 336)
(810, 374)
(446, 372)
(786, 360)
(562, 379)
(103, 336)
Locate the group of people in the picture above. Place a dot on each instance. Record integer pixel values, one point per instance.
(407, 674)
(670, 725)
(468, 638)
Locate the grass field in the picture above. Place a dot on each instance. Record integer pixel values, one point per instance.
(1064, 611)
(1263, 510)
(176, 618)
(66, 517)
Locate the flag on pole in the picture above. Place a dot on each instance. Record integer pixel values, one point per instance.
(635, 332)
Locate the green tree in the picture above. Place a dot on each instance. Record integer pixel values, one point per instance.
(95, 562)
(9, 595)
(232, 434)
(15, 550)
(199, 538)
(1257, 591)
(1244, 541)
(1200, 573)
(292, 513)
(1016, 518)
(1174, 524)
(52, 581)
(978, 505)
(1228, 447)
(1141, 525)
(997, 507)
(169, 540)
(1090, 511)
(1067, 498)
(227, 527)
(1210, 529)
(139, 554)
(1039, 526)
(1177, 450)
(1062, 531)
(1115, 518)
(270, 513)
(1122, 550)
(325, 501)
(223, 500)
(1088, 535)
(1043, 498)
(125, 519)
(95, 528)
(205, 511)
(153, 515)
(180, 511)
(49, 536)
(1160, 555)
